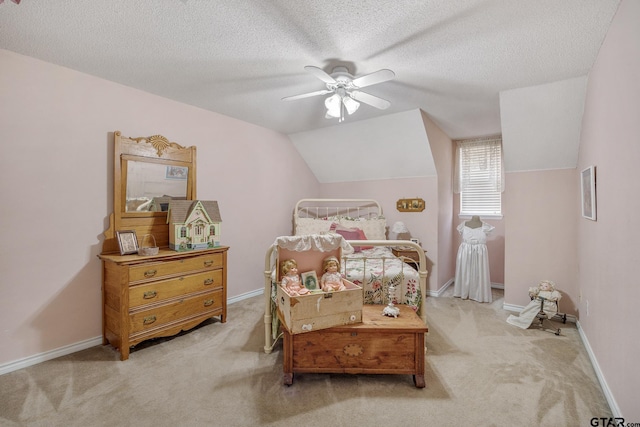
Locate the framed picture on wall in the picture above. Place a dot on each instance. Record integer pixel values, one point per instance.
(588, 186)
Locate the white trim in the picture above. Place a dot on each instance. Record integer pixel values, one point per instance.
(441, 290)
(451, 281)
(48, 355)
(511, 307)
(596, 367)
(244, 296)
(519, 308)
(483, 216)
(83, 345)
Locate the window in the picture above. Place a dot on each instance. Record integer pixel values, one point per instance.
(479, 177)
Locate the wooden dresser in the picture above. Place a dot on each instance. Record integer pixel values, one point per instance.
(155, 296)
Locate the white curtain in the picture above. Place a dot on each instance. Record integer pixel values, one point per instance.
(479, 157)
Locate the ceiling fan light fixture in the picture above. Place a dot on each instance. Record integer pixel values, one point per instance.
(333, 104)
(350, 104)
(346, 90)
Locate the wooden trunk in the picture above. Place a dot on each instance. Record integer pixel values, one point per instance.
(378, 345)
(311, 312)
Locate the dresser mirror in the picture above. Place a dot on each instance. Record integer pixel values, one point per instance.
(148, 172)
(150, 186)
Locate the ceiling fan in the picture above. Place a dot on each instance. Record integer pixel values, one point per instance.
(346, 90)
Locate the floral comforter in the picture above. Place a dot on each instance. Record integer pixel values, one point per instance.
(376, 269)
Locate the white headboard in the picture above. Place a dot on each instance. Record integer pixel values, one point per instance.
(317, 216)
(323, 208)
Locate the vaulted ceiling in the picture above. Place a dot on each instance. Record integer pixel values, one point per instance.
(452, 59)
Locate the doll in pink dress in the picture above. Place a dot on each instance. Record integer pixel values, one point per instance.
(291, 282)
(331, 280)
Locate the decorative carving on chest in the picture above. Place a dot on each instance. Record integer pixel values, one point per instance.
(352, 350)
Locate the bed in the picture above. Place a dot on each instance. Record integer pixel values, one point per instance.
(367, 259)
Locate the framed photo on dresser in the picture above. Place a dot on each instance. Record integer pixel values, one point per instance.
(127, 241)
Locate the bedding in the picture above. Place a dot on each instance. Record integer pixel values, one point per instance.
(373, 228)
(377, 268)
(370, 265)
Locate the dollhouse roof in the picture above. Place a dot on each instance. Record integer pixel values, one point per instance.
(179, 210)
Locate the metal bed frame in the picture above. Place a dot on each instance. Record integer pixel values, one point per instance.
(358, 208)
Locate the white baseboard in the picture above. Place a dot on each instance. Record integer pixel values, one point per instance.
(241, 297)
(441, 290)
(519, 308)
(83, 345)
(596, 367)
(48, 355)
(512, 307)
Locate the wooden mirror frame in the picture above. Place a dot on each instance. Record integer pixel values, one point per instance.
(152, 149)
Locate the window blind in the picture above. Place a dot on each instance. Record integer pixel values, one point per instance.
(479, 176)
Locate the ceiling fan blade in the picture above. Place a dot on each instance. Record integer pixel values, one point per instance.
(374, 78)
(320, 73)
(374, 101)
(306, 95)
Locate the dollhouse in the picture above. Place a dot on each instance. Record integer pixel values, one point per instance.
(193, 224)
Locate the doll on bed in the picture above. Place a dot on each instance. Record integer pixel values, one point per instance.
(546, 292)
(331, 280)
(291, 282)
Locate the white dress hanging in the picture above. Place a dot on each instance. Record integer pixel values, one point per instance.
(472, 279)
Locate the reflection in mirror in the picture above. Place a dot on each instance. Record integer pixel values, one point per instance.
(150, 186)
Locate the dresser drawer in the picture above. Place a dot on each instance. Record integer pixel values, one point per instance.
(177, 310)
(161, 290)
(167, 268)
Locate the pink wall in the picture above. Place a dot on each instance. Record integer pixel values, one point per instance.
(442, 151)
(608, 255)
(56, 183)
(540, 234)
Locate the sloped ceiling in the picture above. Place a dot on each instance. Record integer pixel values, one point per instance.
(239, 58)
(343, 153)
(541, 125)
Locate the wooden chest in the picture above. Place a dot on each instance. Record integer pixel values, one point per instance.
(322, 310)
(155, 296)
(312, 312)
(378, 345)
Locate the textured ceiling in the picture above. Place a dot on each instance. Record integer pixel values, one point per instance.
(452, 58)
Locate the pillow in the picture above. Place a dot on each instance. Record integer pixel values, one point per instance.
(306, 226)
(351, 234)
(374, 228)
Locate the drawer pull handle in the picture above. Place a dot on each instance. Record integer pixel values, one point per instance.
(149, 294)
(208, 302)
(208, 263)
(150, 273)
(148, 320)
(208, 281)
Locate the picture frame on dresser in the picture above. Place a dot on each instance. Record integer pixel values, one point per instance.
(127, 242)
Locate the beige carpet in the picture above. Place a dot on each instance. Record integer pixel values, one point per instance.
(480, 371)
